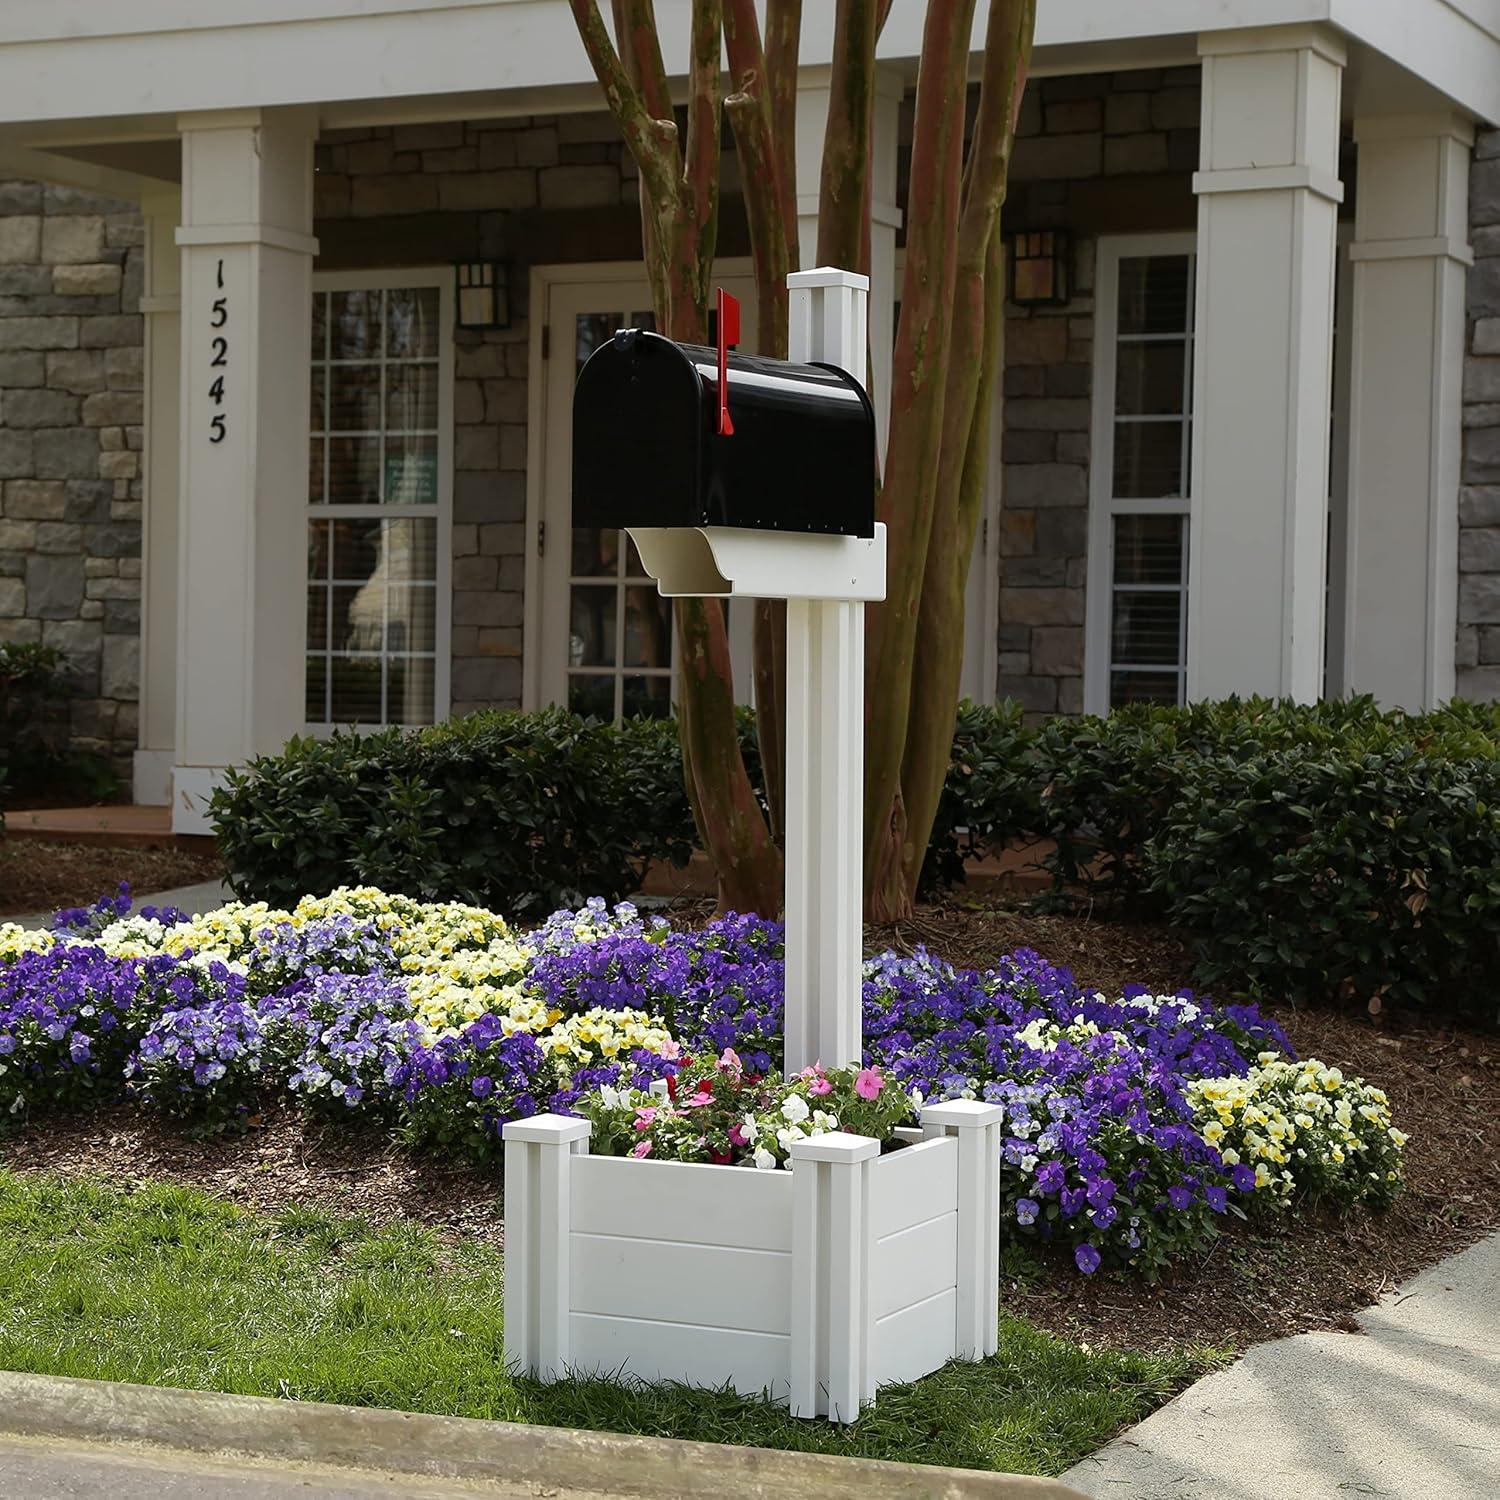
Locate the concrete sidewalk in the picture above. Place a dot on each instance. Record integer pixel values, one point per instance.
(1409, 1406)
(192, 899)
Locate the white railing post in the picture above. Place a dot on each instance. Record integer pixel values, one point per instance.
(978, 1128)
(831, 1373)
(825, 743)
(538, 1210)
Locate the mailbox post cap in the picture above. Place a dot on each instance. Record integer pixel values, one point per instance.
(828, 276)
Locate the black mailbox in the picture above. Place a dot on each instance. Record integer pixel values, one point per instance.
(647, 449)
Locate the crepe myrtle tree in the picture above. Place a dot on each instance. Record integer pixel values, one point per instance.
(944, 368)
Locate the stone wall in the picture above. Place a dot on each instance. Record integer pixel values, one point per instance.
(526, 191)
(1095, 154)
(70, 448)
(1479, 498)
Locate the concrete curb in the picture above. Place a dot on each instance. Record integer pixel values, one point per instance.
(554, 1459)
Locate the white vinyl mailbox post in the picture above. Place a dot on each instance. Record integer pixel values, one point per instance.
(858, 1268)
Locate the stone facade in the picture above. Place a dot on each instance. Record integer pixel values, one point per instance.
(1094, 155)
(467, 191)
(1479, 499)
(70, 448)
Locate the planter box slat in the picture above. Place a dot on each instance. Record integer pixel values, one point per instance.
(913, 1265)
(725, 1285)
(911, 1185)
(915, 1341)
(703, 1206)
(690, 1353)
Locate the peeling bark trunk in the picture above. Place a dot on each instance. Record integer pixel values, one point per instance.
(974, 355)
(912, 454)
(679, 221)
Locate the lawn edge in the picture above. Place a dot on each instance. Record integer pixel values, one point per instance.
(439, 1447)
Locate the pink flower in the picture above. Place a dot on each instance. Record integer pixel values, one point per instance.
(641, 1148)
(697, 1101)
(737, 1135)
(671, 1050)
(868, 1083)
(644, 1118)
(820, 1086)
(730, 1061)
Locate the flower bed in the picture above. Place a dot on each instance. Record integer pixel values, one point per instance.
(1132, 1123)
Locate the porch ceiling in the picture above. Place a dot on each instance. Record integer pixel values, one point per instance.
(90, 90)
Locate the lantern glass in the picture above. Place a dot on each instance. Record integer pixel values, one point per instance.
(483, 295)
(1039, 268)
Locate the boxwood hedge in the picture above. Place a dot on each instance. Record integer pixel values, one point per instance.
(1310, 850)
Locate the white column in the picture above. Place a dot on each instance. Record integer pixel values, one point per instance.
(885, 217)
(539, 1154)
(160, 303)
(1268, 196)
(831, 1326)
(825, 746)
(1410, 255)
(247, 252)
(980, 1140)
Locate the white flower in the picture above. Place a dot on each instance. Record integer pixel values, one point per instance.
(764, 1161)
(786, 1138)
(750, 1128)
(795, 1109)
(823, 1121)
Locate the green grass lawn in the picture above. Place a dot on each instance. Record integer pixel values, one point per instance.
(169, 1286)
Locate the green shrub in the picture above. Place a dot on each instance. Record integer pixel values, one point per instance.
(522, 812)
(34, 689)
(1311, 873)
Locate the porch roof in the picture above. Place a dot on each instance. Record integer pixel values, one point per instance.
(90, 90)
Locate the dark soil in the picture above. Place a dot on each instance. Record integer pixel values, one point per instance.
(1259, 1280)
(36, 876)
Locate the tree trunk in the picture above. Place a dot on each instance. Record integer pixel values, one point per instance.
(679, 221)
(763, 113)
(974, 356)
(919, 378)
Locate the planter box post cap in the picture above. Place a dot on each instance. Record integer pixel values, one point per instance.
(836, 1146)
(962, 1114)
(558, 1130)
(828, 276)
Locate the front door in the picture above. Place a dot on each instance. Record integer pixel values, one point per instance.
(606, 639)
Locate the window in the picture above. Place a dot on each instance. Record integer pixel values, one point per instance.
(1143, 432)
(378, 500)
(605, 638)
(619, 627)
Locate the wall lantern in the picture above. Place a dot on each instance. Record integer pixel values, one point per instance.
(1041, 268)
(484, 294)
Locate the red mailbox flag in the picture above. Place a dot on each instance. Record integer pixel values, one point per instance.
(729, 333)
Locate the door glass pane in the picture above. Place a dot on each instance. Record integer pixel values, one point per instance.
(648, 628)
(411, 399)
(354, 398)
(354, 325)
(592, 695)
(596, 553)
(411, 322)
(592, 330)
(411, 470)
(591, 639)
(647, 697)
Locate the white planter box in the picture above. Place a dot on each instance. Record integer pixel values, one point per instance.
(818, 1285)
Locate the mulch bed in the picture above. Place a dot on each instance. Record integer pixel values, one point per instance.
(37, 876)
(1259, 1280)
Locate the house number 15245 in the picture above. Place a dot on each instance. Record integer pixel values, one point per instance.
(219, 343)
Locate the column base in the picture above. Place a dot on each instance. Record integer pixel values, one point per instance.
(151, 778)
(192, 786)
